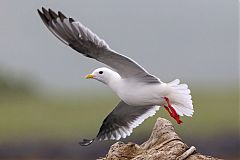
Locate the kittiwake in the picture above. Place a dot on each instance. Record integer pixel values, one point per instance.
(141, 93)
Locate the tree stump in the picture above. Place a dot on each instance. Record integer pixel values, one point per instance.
(163, 144)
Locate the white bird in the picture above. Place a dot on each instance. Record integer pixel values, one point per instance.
(141, 93)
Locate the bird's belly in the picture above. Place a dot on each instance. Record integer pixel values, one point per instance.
(144, 95)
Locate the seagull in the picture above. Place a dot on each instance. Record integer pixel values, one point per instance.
(141, 93)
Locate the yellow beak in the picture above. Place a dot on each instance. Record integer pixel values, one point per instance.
(89, 76)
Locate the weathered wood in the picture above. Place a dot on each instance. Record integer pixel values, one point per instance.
(163, 144)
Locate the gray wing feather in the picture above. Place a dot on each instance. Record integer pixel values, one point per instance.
(83, 40)
(121, 121)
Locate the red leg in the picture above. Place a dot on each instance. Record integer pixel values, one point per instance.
(172, 111)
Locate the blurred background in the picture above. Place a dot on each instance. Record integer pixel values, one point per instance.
(46, 106)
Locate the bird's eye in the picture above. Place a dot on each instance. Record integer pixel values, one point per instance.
(100, 72)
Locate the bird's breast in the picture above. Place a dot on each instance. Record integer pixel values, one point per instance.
(141, 94)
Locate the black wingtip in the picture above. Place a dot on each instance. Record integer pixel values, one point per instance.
(61, 15)
(39, 12)
(71, 20)
(52, 13)
(44, 16)
(86, 142)
(44, 10)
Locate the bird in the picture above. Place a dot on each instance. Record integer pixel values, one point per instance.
(141, 93)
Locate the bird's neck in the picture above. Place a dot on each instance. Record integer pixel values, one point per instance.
(114, 82)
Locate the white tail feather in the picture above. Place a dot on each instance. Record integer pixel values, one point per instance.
(180, 98)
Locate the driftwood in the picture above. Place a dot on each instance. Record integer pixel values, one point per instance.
(163, 144)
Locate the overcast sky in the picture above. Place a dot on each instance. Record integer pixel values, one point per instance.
(194, 40)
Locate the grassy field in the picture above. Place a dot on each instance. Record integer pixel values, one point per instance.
(30, 117)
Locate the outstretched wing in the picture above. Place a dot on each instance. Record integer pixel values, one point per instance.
(83, 40)
(121, 122)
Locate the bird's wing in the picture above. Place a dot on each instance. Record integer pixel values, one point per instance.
(121, 121)
(83, 40)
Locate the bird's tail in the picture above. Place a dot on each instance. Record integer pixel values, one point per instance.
(180, 98)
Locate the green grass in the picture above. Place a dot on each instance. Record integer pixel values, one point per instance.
(29, 117)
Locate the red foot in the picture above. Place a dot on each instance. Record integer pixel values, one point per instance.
(172, 111)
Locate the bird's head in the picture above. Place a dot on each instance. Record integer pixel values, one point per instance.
(103, 75)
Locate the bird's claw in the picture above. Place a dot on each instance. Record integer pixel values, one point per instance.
(172, 111)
